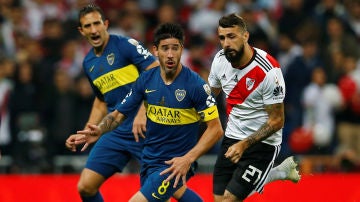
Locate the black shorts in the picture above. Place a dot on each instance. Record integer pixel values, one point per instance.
(248, 174)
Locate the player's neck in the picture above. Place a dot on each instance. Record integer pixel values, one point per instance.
(169, 77)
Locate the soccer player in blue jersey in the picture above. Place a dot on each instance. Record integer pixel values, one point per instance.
(112, 66)
(176, 100)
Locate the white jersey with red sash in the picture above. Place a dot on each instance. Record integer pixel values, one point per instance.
(248, 89)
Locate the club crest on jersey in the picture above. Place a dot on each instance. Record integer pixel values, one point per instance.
(180, 94)
(207, 89)
(249, 83)
(110, 58)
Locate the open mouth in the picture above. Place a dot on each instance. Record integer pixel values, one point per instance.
(170, 64)
(95, 39)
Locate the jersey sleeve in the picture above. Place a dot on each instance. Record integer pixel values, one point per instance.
(137, 53)
(213, 76)
(133, 99)
(273, 87)
(205, 103)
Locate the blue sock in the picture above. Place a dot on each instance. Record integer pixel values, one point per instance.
(96, 198)
(190, 196)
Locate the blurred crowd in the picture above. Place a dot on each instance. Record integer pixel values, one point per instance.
(44, 95)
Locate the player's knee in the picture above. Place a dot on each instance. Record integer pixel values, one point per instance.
(86, 189)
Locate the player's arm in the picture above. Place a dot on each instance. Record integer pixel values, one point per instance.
(215, 91)
(152, 65)
(98, 111)
(93, 132)
(180, 165)
(274, 123)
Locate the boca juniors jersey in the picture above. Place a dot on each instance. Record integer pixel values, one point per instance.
(173, 112)
(247, 91)
(112, 74)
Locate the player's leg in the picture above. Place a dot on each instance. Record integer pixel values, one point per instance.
(223, 170)
(108, 156)
(251, 173)
(185, 194)
(89, 184)
(287, 170)
(155, 189)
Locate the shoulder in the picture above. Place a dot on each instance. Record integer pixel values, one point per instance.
(123, 40)
(265, 60)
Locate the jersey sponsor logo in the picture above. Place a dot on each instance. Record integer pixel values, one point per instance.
(249, 83)
(278, 91)
(172, 116)
(116, 78)
(180, 94)
(149, 91)
(154, 195)
(209, 113)
(110, 58)
(91, 68)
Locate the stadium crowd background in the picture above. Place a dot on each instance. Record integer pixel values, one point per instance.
(44, 95)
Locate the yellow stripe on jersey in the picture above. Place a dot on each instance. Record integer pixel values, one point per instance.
(116, 78)
(175, 116)
(171, 116)
(209, 113)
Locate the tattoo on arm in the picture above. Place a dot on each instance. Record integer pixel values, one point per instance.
(108, 123)
(274, 123)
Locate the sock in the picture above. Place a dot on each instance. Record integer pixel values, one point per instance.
(96, 198)
(190, 196)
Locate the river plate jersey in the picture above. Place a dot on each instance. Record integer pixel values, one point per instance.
(247, 91)
(174, 112)
(112, 74)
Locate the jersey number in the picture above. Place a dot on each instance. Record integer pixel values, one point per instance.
(251, 172)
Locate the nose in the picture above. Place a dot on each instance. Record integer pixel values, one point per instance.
(226, 43)
(93, 29)
(170, 53)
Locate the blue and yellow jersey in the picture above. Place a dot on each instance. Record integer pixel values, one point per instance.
(174, 112)
(112, 74)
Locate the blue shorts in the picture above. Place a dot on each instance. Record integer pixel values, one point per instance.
(155, 189)
(111, 153)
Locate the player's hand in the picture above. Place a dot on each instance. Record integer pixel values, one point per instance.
(70, 143)
(235, 151)
(179, 166)
(88, 136)
(139, 126)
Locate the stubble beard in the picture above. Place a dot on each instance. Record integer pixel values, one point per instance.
(234, 56)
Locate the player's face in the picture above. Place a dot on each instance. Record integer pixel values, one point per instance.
(233, 40)
(94, 29)
(169, 53)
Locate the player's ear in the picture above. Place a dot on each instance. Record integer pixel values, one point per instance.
(80, 30)
(106, 23)
(246, 36)
(155, 51)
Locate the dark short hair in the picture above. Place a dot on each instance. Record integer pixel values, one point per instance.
(168, 30)
(232, 20)
(89, 9)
